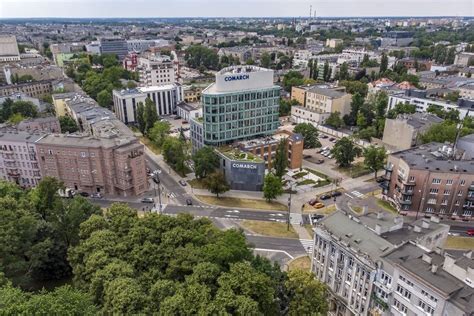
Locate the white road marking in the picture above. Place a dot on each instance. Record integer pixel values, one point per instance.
(274, 250)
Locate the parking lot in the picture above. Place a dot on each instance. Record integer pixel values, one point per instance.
(321, 158)
(176, 124)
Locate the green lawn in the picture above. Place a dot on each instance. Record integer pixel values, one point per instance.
(306, 182)
(271, 229)
(148, 143)
(242, 203)
(299, 175)
(197, 184)
(386, 206)
(321, 183)
(461, 243)
(356, 170)
(301, 263)
(319, 174)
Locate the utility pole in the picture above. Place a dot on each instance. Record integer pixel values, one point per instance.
(289, 208)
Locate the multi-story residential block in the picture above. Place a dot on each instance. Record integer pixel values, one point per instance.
(432, 180)
(165, 97)
(130, 62)
(116, 46)
(319, 102)
(35, 89)
(404, 131)
(156, 70)
(242, 104)
(9, 49)
(348, 249)
(466, 145)
(192, 94)
(425, 282)
(266, 148)
(333, 42)
(464, 59)
(48, 124)
(422, 103)
(19, 158)
(467, 90)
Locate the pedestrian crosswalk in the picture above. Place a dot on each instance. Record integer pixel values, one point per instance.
(308, 245)
(296, 218)
(356, 194)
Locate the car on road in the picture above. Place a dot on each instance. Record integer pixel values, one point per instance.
(323, 136)
(156, 179)
(318, 205)
(336, 193)
(453, 234)
(325, 197)
(316, 218)
(189, 202)
(313, 201)
(96, 195)
(182, 182)
(84, 194)
(470, 232)
(147, 200)
(319, 161)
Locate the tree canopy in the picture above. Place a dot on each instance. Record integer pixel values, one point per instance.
(206, 161)
(345, 151)
(309, 133)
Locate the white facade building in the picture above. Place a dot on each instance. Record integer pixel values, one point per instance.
(165, 98)
(156, 71)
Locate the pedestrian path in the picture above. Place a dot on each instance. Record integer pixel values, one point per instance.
(296, 218)
(308, 245)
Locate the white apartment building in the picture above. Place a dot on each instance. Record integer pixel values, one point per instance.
(419, 99)
(347, 253)
(18, 157)
(165, 98)
(156, 70)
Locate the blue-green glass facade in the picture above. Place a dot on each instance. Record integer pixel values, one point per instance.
(232, 116)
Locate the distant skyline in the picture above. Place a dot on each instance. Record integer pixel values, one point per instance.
(231, 8)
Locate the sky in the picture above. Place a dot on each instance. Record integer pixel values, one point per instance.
(232, 8)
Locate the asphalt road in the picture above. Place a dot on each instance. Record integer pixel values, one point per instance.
(289, 245)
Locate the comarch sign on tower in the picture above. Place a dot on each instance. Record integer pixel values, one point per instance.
(236, 77)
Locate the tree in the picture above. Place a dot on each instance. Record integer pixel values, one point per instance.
(344, 71)
(265, 60)
(216, 183)
(150, 114)
(175, 154)
(272, 187)
(200, 56)
(206, 161)
(131, 84)
(308, 295)
(68, 124)
(356, 104)
(345, 151)
(353, 86)
(280, 162)
(104, 98)
(159, 132)
(141, 122)
(374, 158)
(334, 120)
(309, 133)
(291, 79)
(326, 72)
(444, 132)
(383, 63)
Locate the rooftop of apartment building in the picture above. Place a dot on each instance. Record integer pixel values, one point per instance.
(14, 135)
(322, 86)
(431, 269)
(189, 106)
(8, 46)
(419, 120)
(330, 93)
(435, 157)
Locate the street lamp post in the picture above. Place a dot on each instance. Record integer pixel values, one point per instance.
(289, 208)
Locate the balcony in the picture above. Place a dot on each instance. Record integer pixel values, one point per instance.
(470, 198)
(13, 173)
(407, 192)
(471, 187)
(388, 168)
(403, 201)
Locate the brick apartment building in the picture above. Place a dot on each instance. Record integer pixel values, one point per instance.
(428, 180)
(265, 148)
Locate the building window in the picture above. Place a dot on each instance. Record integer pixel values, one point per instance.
(399, 306)
(429, 210)
(431, 201)
(433, 191)
(403, 292)
(463, 182)
(449, 182)
(436, 181)
(447, 192)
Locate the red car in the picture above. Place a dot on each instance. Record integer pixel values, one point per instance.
(470, 232)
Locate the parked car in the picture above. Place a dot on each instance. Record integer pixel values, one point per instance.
(379, 179)
(319, 161)
(323, 136)
(313, 201)
(156, 179)
(84, 194)
(470, 232)
(331, 139)
(182, 182)
(307, 156)
(325, 197)
(189, 202)
(177, 117)
(330, 156)
(319, 205)
(96, 195)
(147, 200)
(316, 218)
(324, 148)
(336, 193)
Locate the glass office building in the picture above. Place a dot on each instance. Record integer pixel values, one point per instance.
(242, 104)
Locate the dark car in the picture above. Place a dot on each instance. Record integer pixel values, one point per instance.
(307, 156)
(325, 197)
(189, 202)
(177, 117)
(313, 201)
(323, 136)
(147, 200)
(336, 193)
(84, 194)
(156, 179)
(380, 180)
(319, 161)
(316, 217)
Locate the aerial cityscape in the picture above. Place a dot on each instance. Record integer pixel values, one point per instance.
(237, 157)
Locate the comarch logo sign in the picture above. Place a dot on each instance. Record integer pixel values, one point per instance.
(236, 77)
(244, 166)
